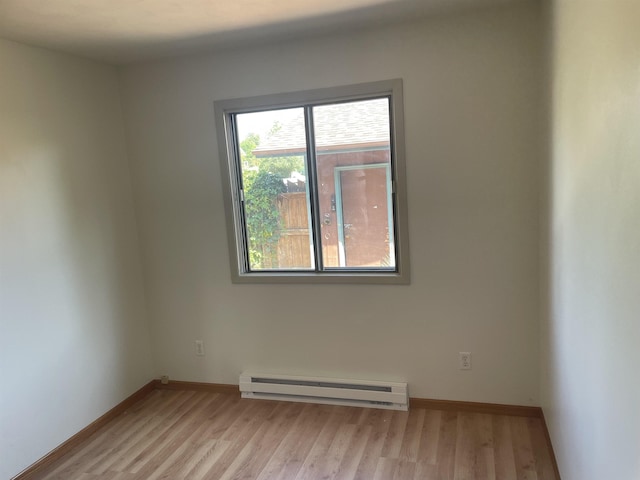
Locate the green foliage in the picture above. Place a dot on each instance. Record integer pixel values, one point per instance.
(262, 182)
(281, 166)
(248, 145)
(263, 218)
(275, 128)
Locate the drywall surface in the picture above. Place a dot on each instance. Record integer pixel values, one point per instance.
(73, 333)
(472, 94)
(590, 343)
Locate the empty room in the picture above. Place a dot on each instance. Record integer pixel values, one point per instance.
(303, 239)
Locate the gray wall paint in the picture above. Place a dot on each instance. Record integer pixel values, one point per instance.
(590, 387)
(472, 98)
(73, 334)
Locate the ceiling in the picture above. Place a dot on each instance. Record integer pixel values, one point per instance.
(126, 31)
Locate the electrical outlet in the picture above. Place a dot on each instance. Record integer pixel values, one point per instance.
(464, 360)
(200, 348)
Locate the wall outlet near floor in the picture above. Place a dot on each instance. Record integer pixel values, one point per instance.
(199, 348)
(464, 360)
(164, 379)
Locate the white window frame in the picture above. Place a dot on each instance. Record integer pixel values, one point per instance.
(225, 111)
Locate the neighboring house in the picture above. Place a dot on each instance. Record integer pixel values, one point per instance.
(354, 186)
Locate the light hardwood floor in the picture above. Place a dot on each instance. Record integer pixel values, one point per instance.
(204, 435)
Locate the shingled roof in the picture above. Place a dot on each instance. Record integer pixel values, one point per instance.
(345, 125)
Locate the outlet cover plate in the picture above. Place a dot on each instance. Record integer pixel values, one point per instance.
(464, 360)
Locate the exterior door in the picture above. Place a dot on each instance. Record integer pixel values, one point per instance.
(365, 220)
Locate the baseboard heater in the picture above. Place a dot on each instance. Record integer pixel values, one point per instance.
(331, 391)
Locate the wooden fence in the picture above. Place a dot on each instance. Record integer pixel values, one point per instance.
(293, 245)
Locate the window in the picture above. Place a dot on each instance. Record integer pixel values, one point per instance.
(314, 185)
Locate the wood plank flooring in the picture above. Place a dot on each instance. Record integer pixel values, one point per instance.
(218, 436)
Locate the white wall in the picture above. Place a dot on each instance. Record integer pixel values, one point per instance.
(472, 97)
(73, 332)
(590, 349)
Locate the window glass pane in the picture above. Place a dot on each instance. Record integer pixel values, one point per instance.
(353, 163)
(276, 207)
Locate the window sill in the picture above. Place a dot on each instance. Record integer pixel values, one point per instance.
(341, 278)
